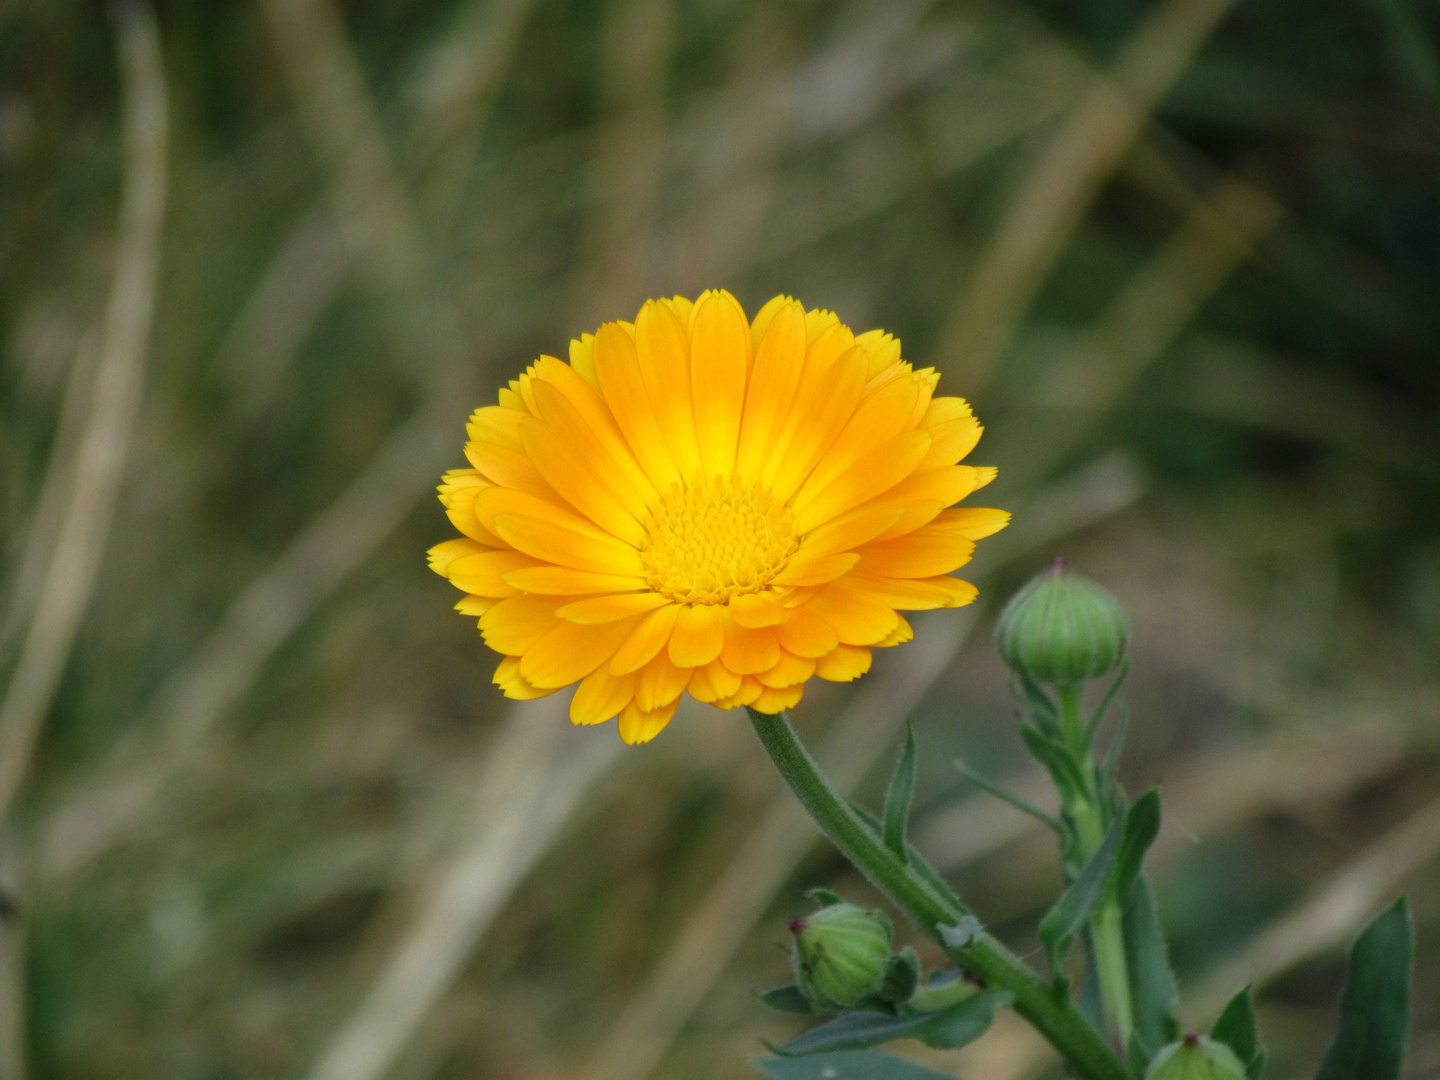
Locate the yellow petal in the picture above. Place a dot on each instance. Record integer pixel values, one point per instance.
(849, 531)
(953, 440)
(600, 696)
(805, 634)
(856, 617)
(719, 358)
(617, 366)
(501, 500)
(516, 623)
(846, 663)
(639, 726)
(713, 682)
(570, 651)
(756, 610)
(513, 684)
(664, 358)
(659, 682)
(506, 467)
(773, 701)
(495, 424)
(879, 470)
(565, 462)
(975, 522)
(603, 609)
(475, 605)
(926, 552)
(779, 361)
(884, 415)
(747, 651)
(565, 400)
(823, 405)
(750, 689)
(566, 581)
(482, 574)
(902, 633)
(788, 670)
(816, 571)
(647, 639)
(442, 555)
(555, 543)
(915, 594)
(698, 636)
(582, 358)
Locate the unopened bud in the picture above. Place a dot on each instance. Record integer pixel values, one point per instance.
(840, 954)
(1062, 628)
(1196, 1058)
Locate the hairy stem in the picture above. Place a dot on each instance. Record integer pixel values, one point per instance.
(931, 910)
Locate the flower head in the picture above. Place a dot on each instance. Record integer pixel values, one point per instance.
(698, 503)
(840, 953)
(1062, 628)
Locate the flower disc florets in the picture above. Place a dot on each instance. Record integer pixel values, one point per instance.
(698, 503)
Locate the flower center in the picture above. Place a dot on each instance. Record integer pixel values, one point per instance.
(716, 539)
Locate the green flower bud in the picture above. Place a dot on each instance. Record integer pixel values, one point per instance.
(1196, 1058)
(840, 954)
(1062, 628)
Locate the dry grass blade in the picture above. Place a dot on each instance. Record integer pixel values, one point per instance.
(346, 533)
(530, 786)
(115, 403)
(677, 985)
(1062, 184)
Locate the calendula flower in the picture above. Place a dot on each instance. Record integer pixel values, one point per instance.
(697, 503)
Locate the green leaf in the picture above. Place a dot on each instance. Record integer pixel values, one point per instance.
(1065, 920)
(1023, 805)
(1142, 825)
(946, 1029)
(1237, 1029)
(824, 897)
(1093, 724)
(1056, 758)
(787, 998)
(902, 975)
(867, 1065)
(1042, 706)
(898, 797)
(1375, 1005)
(1152, 983)
(917, 862)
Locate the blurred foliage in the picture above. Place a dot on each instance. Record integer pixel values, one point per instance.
(1282, 568)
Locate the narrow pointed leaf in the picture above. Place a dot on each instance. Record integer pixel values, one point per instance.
(948, 1028)
(1152, 983)
(1023, 805)
(1093, 724)
(1142, 825)
(1375, 1004)
(1069, 915)
(787, 998)
(1055, 756)
(917, 862)
(865, 1065)
(899, 797)
(1238, 1030)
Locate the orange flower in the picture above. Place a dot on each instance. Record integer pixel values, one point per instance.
(700, 504)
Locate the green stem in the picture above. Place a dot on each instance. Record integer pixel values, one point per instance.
(1051, 1014)
(1107, 933)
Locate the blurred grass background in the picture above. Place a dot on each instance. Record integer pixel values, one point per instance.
(265, 814)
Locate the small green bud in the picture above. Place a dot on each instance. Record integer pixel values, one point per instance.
(1196, 1058)
(1062, 628)
(840, 954)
